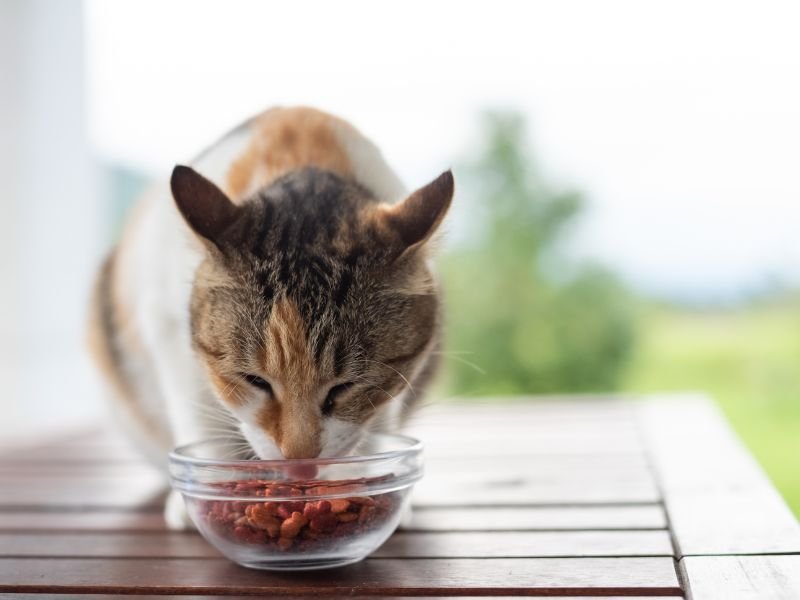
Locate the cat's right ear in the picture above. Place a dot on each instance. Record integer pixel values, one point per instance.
(205, 207)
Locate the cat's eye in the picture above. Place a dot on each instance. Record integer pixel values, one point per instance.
(330, 399)
(258, 382)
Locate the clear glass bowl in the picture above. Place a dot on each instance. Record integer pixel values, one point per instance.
(297, 514)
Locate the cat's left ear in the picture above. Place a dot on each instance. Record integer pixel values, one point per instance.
(205, 207)
(415, 219)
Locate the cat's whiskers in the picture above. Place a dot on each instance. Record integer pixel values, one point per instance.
(472, 365)
(403, 377)
(373, 384)
(215, 411)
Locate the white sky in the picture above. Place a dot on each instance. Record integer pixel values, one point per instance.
(680, 120)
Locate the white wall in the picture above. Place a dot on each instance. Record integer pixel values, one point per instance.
(50, 218)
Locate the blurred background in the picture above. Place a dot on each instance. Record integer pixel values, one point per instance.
(628, 201)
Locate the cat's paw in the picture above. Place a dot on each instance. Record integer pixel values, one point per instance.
(406, 517)
(175, 513)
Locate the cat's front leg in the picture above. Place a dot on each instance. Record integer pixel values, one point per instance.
(406, 517)
(176, 514)
(188, 401)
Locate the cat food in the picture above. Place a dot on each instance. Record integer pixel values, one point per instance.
(297, 524)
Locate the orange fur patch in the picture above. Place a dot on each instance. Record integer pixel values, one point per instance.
(228, 388)
(293, 420)
(285, 139)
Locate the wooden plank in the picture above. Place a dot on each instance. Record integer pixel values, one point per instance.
(583, 466)
(81, 494)
(126, 470)
(505, 544)
(504, 443)
(83, 520)
(584, 469)
(518, 518)
(529, 518)
(504, 429)
(542, 576)
(718, 499)
(553, 480)
(195, 597)
(524, 490)
(438, 488)
(509, 491)
(564, 468)
(515, 544)
(743, 577)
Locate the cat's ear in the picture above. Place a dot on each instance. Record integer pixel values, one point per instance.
(205, 207)
(415, 219)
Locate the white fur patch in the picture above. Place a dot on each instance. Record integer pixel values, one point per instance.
(261, 443)
(215, 163)
(339, 437)
(369, 166)
(176, 514)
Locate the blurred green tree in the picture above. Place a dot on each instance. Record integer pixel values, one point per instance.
(520, 318)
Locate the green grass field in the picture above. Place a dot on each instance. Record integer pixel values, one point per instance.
(748, 360)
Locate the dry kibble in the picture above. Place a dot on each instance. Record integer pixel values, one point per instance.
(311, 510)
(292, 526)
(285, 543)
(366, 514)
(339, 505)
(346, 517)
(301, 525)
(324, 523)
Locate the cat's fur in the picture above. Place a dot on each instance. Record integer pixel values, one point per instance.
(289, 257)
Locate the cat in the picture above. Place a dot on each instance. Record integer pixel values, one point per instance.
(279, 291)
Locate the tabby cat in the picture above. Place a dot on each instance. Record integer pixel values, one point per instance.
(283, 295)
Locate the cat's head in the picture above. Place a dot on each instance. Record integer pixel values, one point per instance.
(315, 306)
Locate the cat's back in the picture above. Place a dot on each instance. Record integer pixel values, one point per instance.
(281, 140)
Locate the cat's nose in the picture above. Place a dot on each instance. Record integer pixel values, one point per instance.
(298, 447)
(299, 434)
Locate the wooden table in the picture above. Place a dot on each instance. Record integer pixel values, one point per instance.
(591, 497)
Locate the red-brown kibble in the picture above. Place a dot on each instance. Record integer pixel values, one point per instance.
(324, 523)
(292, 526)
(302, 525)
(339, 505)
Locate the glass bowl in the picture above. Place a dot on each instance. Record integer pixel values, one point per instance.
(297, 514)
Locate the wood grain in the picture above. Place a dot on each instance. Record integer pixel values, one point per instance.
(487, 518)
(522, 518)
(536, 544)
(83, 520)
(523, 489)
(543, 482)
(560, 498)
(76, 493)
(743, 577)
(505, 490)
(205, 597)
(507, 544)
(718, 499)
(542, 576)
